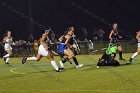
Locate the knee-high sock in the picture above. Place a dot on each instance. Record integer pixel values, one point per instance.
(75, 61)
(61, 64)
(134, 55)
(54, 65)
(31, 59)
(120, 54)
(7, 59)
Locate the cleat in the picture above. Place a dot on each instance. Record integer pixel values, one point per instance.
(7, 63)
(122, 59)
(24, 60)
(79, 66)
(130, 60)
(60, 70)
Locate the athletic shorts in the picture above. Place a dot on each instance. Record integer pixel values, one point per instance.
(7, 47)
(62, 47)
(42, 51)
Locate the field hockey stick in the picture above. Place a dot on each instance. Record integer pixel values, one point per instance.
(62, 58)
(133, 43)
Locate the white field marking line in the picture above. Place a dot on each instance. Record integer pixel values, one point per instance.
(111, 91)
(13, 70)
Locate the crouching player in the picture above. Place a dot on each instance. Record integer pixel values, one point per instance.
(64, 49)
(108, 58)
(43, 51)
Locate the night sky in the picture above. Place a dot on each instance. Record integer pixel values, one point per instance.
(59, 14)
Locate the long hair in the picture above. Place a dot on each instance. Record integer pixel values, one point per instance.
(113, 26)
(6, 34)
(69, 29)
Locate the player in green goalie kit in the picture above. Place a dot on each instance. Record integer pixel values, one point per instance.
(108, 58)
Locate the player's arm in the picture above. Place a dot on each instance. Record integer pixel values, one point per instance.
(42, 42)
(110, 35)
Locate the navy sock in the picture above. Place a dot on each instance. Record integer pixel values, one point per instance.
(75, 60)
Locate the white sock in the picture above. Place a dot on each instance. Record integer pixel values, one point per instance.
(7, 59)
(134, 55)
(54, 65)
(31, 59)
(7, 55)
(61, 64)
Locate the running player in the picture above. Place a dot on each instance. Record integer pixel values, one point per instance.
(73, 42)
(65, 46)
(7, 40)
(138, 47)
(114, 36)
(43, 51)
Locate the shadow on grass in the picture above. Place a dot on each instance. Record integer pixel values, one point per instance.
(125, 64)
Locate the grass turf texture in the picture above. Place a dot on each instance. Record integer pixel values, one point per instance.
(40, 77)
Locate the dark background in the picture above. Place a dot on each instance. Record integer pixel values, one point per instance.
(59, 14)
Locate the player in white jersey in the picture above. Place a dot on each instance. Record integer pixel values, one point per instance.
(7, 40)
(43, 51)
(138, 47)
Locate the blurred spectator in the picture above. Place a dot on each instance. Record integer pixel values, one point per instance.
(91, 49)
(16, 49)
(100, 33)
(90, 45)
(31, 38)
(85, 33)
(1, 50)
(36, 43)
(53, 36)
(27, 46)
(85, 40)
(95, 38)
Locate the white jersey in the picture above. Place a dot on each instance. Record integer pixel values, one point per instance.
(8, 43)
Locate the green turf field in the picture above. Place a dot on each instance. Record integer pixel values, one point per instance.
(40, 77)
